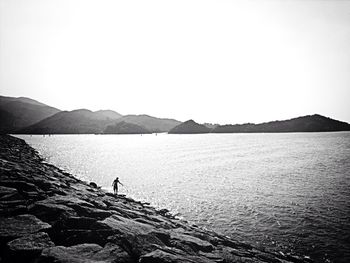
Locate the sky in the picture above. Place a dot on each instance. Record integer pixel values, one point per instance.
(215, 61)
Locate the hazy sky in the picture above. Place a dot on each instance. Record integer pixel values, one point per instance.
(213, 61)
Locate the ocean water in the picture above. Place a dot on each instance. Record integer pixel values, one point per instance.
(283, 192)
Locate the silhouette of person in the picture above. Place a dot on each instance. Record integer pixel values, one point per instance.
(115, 185)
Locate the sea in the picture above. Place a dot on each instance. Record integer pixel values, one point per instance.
(282, 192)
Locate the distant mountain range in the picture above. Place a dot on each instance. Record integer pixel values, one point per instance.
(150, 123)
(85, 122)
(310, 123)
(71, 122)
(26, 116)
(17, 113)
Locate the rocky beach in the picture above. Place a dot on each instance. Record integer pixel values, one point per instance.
(48, 215)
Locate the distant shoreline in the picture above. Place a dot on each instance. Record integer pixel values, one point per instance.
(165, 133)
(44, 119)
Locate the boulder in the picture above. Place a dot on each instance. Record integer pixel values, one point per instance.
(80, 223)
(115, 252)
(93, 184)
(6, 211)
(190, 243)
(85, 211)
(84, 253)
(125, 225)
(77, 230)
(18, 226)
(49, 211)
(20, 185)
(27, 247)
(138, 244)
(70, 200)
(7, 190)
(171, 256)
(70, 237)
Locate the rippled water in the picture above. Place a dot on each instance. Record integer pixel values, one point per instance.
(284, 192)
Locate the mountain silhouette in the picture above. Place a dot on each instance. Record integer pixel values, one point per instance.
(125, 128)
(309, 123)
(190, 127)
(17, 113)
(84, 121)
(28, 116)
(80, 121)
(150, 123)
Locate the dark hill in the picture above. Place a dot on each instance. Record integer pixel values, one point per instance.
(309, 123)
(71, 122)
(17, 113)
(7, 121)
(189, 127)
(125, 128)
(85, 122)
(152, 124)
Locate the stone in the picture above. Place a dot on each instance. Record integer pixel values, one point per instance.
(28, 247)
(125, 225)
(50, 212)
(7, 190)
(159, 256)
(20, 185)
(70, 237)
(13, 211)
(12, 203)
(136, 238)
(163, 211)
(80, 223)
(33, 242)
(44, 184)
(181, 240)
(84, 253)
(91, 212)
(18, 226)
(93, 184)
(76, 230)
(127, 212)
(115, 252)
(70, 200)
(171, 256)
(137, 244)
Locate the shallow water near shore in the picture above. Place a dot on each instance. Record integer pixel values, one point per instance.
(282, 192)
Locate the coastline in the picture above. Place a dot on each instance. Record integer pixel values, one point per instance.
(48, 215)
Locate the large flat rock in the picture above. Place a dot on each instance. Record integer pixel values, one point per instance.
(85, 253)
(28, 247)
(21, 225)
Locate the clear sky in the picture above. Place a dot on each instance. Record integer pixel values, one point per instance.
(213, 61)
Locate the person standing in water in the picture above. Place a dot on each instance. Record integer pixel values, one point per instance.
(115, 185)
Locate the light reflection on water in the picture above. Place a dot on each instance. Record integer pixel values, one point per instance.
(284, 192)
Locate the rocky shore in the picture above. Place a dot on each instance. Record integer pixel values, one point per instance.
(47, 215)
